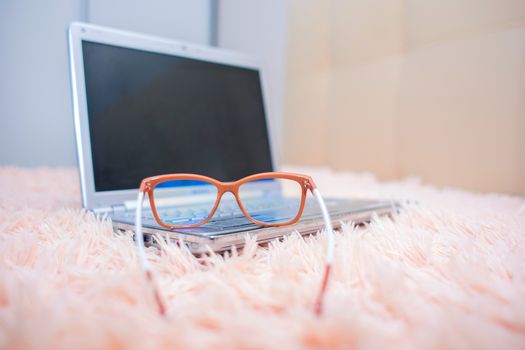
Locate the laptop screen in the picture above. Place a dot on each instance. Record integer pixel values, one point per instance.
(152, 113)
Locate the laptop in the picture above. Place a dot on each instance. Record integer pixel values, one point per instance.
(147, 106)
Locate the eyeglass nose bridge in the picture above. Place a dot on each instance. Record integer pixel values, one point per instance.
(232, 188)
(228, 187)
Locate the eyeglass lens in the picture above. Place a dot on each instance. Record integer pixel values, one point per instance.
(272, 200)
(184, 202)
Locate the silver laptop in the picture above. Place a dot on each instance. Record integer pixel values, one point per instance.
(147, 106)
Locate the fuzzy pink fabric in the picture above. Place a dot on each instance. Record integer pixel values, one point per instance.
(448, 272)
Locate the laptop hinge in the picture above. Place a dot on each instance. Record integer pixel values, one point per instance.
(110, 210)
(119, 208)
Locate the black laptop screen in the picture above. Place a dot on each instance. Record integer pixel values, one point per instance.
(152, 114)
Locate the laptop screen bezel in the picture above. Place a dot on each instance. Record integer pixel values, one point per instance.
(78, 32)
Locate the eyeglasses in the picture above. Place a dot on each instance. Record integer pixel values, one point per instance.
(255, 195)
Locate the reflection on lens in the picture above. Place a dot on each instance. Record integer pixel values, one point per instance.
(184, 202)
(271, 201)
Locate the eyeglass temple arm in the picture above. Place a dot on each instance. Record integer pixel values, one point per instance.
(330, 249)
(141, 251)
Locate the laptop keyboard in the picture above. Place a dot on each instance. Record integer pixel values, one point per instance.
(229, 214)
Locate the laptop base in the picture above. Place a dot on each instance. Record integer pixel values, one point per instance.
(357, 212)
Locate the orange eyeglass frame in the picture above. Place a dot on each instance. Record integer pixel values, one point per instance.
(305, 182)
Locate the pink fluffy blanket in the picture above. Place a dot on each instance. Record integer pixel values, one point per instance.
(448, 272)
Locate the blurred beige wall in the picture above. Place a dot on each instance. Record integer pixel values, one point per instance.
(405, 87)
